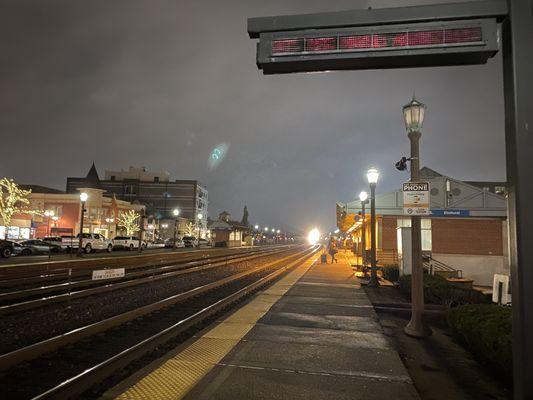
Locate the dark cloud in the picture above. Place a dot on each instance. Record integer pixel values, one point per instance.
(161, 83)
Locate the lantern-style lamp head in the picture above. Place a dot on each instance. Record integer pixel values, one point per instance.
(176, 212)
(256, 227)
(413, 115)
(84, 196)
(363, 196)
(200, 215)
(372, 175)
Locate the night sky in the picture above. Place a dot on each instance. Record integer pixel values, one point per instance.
(161, 84)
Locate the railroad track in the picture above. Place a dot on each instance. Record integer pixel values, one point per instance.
(36, 273)
(156, 323)
(25, 299)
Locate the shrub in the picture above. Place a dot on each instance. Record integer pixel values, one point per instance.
(485, 329)
(391, 272)
(438, 290)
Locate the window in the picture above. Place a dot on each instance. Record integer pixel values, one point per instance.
(156, 179)
(113, 177)
(130, 189)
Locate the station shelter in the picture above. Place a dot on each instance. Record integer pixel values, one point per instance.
(466, 230)
(228, 233)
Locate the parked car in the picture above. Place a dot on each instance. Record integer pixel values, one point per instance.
(90, 242)
(190, 241)
(6, 248)
(203, 242)
(57, 240)
(37, 246)
(127, 242)
(169, 243)
(156, 244)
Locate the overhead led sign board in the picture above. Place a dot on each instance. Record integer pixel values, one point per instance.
(384, 46)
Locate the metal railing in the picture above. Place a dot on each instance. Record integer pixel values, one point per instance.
(432, 265)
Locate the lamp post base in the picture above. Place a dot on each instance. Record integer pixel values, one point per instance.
(417, 329)
(373, 282)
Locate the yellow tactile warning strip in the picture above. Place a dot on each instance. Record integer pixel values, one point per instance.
(177, 376)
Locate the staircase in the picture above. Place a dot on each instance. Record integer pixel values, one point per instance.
(436, 267)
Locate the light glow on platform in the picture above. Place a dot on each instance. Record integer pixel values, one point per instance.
(314, 236)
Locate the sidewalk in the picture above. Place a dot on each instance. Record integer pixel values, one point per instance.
(321, 340)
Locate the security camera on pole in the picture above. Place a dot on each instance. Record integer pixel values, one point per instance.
(414, 117)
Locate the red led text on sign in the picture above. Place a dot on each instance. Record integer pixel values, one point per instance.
(392, 40)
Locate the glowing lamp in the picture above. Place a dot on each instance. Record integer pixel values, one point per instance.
(363, 196)
(314, 236)
(83, 196)
(372, 175)
(176, 212)
(413, 115)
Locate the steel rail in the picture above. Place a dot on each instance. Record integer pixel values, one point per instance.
(14, 272)
(35, 350)
(78, 384)
(130, 273)
(159, 262)
(146, 277)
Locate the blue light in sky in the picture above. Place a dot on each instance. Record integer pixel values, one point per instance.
(217, 155)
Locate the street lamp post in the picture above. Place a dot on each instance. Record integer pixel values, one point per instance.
(141, 232)
(414, 117)
(83, 198)
(176, 213)
(48, 214)
(373, 176)
(200, 216)
(363, 196)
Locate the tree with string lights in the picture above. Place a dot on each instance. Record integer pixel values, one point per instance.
(129, 221)
(13, 200)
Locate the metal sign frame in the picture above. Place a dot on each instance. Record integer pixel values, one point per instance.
(385, 57)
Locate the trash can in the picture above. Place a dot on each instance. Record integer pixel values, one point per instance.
(324, 258)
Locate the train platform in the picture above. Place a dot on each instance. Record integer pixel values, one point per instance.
(312, 335)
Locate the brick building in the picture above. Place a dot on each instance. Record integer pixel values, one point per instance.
(64, 211)
(467, 228)
(156, 191)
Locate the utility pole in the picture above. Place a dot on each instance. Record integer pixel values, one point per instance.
(373, 176)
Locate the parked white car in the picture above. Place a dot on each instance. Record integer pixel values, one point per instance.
(90, 242)
(127, 242)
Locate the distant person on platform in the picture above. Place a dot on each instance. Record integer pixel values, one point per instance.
(333, 250)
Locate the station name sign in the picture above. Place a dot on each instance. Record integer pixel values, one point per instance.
(382, 46)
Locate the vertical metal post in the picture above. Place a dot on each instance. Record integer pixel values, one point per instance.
(363, 233)
(141, 232)
(517, 46)
(175, 233)
(416, 326)
(69, 280)
(80, 240)
(373, 267)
